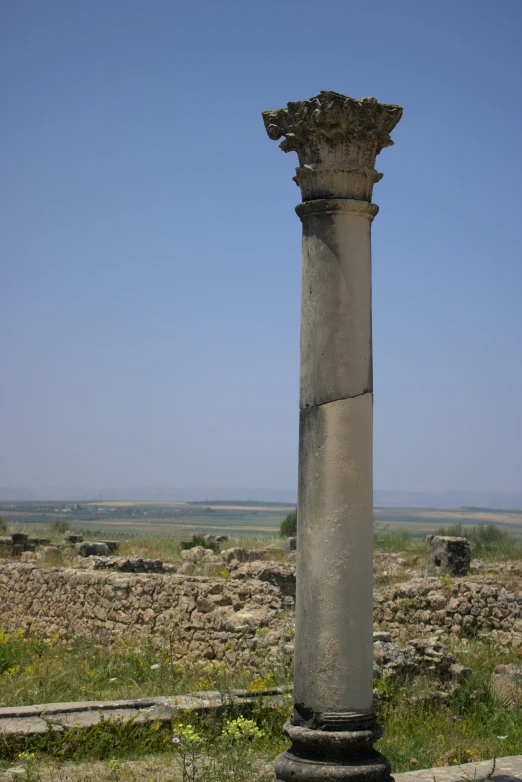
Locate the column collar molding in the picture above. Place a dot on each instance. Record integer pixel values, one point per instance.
(335, 206)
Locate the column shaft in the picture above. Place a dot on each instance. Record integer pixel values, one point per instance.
(333, 660)
(336, 291)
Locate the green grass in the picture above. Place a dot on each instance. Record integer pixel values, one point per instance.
(149, 518)
(36, 670)
(224, 746)
(385, 539)
(422, 732)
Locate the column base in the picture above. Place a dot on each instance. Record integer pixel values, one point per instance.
(332, 756)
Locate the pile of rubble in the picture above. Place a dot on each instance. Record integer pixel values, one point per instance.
(209, 563)
(422, 656)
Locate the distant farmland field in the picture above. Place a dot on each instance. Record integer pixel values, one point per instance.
(240, 518)
(153, 518)
(420, 521)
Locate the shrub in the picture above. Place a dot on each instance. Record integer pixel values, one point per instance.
(388, 540)
(13, 655)
(59, 527)
(288, 527)
(3, 526)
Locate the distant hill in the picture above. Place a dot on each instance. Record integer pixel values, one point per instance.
(499, 500)
(203, 494)
(503, 500)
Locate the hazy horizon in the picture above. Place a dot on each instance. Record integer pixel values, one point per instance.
(382, 497)
(150, 252)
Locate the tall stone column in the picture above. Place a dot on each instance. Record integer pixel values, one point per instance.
(332, 726)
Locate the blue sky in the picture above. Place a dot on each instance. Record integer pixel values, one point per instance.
(150, 254)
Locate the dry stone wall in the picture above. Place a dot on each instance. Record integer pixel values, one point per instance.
(462, 607)
(250, 612)
(213, 618)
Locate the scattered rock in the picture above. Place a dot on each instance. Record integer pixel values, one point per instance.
(196, 554)
(29, 556)
(264, 554)
(129, 564)
(273, 573)
(380, 635)
(420, 656)
(239, 554)
(216, 539)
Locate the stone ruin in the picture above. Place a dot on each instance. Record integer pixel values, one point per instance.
(449, 556)
(16, 544)
(30, 549)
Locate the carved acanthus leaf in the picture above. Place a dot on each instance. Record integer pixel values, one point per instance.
(331, 115)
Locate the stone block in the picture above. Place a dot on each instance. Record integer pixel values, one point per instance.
(290, 544)
(87, 549)
(38, 542)
(449, 555)
(74, 537)
(19, 538)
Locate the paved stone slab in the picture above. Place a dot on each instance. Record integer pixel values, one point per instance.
(31, 720)
(508, 769)
(22, 726)
(55, 708)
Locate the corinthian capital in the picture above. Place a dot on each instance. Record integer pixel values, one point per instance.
(337, 140)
